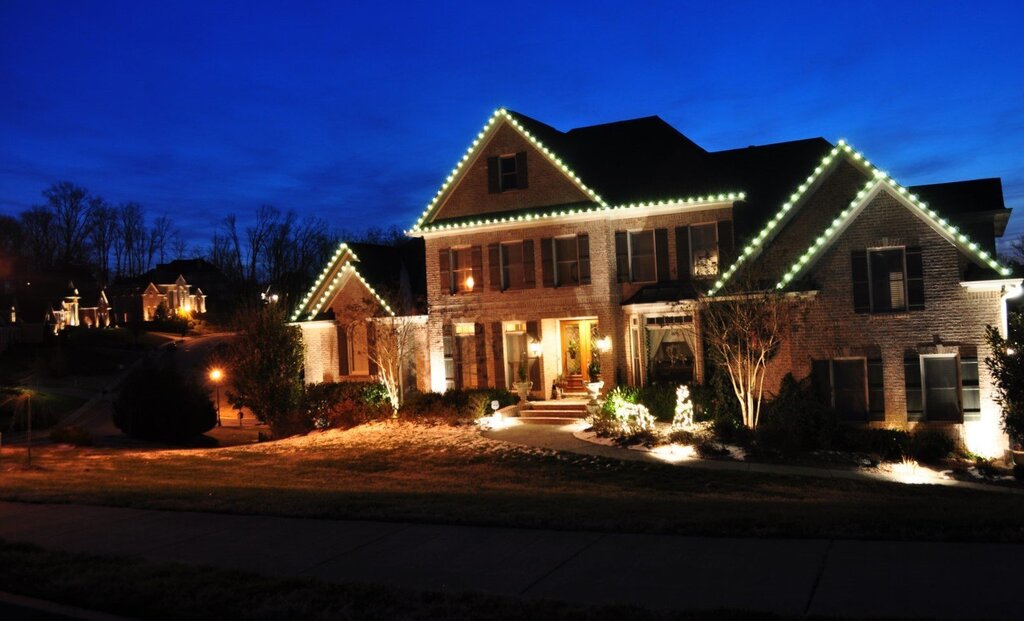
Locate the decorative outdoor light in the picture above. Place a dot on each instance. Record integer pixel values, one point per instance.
(215, 376)
(469, 283)
(536, 348)
(604, 344)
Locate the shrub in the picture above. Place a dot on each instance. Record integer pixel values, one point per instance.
(159, 403)
(344, 404)
(73, 434)
(624, 419)
(795, 420)
(455, 406)
(699, 433)
(660, 400)
(931, 445)
(710, 449)
(887, 444)
(714, 400)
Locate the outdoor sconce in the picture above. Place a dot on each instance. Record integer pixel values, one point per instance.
(604, 344)
(469, 283)
(536, 349)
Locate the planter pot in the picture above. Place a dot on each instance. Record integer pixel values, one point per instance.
(1018, 457)
(594, 390)
(523, 388)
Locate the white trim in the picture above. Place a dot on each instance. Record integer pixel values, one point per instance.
(1000, 284)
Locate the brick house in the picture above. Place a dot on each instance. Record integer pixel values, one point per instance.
(542, 246)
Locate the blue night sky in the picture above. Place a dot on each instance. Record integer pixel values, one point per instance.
(356, 111)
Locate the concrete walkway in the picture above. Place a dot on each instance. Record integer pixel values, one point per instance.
(792, 577)
(560, 438)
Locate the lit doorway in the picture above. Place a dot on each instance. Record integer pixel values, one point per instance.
(578, 338)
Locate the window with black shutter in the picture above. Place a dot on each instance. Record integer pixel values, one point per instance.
(941, 388)
(861, 285)
(621, 257)
(852, 386)
(912, 387)
(915, 278)
(507, 172)
(704, 257)
(887, 280)
(876, 390)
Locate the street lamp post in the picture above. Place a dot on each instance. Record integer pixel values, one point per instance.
(215, 377)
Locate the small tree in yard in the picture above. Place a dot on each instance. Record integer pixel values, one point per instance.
(743, 332)
(266, 362)
(1006, 363)
(394, 343)
(160, 403)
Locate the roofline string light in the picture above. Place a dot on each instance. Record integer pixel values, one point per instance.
(320, 279)
(877, 176)
(559, 213)
(329, 292)
(758, 241)
(881, 179)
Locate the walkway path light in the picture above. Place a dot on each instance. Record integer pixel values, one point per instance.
(216, 375)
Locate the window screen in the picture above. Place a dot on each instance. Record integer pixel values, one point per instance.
(567, 260)
(888, 285)
(641, 257)
(970, 390)
(849, 386)
(704, 249)
(512, 265)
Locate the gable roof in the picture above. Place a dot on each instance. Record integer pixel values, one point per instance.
(400, 268)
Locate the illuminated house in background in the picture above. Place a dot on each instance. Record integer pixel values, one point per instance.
(140, 299)
(540, 243)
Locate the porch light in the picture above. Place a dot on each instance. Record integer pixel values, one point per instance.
(536, 348)
(469, 283)
(604, 344)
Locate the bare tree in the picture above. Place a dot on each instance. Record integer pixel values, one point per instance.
(101, 237)
(393, 347)
(179, 246)
(72, 209)
(132, 230)
(38, 226)
(159, 238)
(743, 330)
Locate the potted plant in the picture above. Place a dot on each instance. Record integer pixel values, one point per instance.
(595, 384)
(523, 386)
(558, 387)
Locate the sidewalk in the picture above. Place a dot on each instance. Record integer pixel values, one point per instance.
(792, 577)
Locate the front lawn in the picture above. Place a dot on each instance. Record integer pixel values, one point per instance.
(47, 409)
(404, 471)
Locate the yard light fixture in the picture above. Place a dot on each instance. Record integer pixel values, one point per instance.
(604, 344)
(536, 348)
(216, 375)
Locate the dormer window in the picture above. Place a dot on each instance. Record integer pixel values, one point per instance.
(507, 172)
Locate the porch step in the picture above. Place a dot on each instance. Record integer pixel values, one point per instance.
(550, 420)
(562, 405)
(560, 412)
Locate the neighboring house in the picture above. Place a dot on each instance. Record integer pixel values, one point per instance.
(543, 243)
(342, 314)
(139, 299)
(50, 302)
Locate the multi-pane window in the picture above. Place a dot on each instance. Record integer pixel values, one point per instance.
(941, 387)
(704, 249)
(853, 386)
(642, 258)
(888, 280)
(567, 261)
(512, 265)
(508, 173)
(462, 270)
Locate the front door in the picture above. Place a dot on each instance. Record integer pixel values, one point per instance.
(577, 339)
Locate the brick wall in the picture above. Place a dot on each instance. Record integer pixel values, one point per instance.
(547, 185)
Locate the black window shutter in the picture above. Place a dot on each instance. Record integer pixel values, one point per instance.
(533, 334)
(529, 267)
(481, 355)
(547, 267)
(521, 170)
(493, 175)
(915, 279)
(583, 242)
(342, 350)
(861, 293)
(661, 254)
(371, 346)
(444, 261)
(725, 245)
(912, 386)
(497, 335)
(478, 267)
(494, 267)
(683, 252)
(876, 390)
(621, 257)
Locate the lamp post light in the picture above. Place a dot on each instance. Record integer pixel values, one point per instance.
(215, 376)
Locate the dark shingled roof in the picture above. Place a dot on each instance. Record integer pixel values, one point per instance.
(396, 271)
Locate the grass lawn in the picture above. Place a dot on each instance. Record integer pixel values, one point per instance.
(403, 471)
(146, 590)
